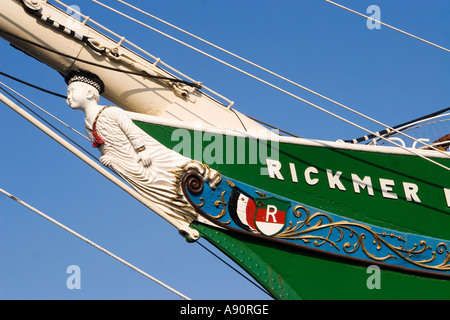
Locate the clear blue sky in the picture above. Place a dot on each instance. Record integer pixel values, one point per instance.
(381, 73)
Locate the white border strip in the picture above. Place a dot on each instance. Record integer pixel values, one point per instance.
(283, 139)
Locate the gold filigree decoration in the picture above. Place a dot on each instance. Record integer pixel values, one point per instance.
(261, 194)
(230, 183)
(202, 203)
(221, 202)
(303, 230)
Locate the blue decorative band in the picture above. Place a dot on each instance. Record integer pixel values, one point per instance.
(242, 208)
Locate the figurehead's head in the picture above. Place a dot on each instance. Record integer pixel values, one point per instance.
(83, 88)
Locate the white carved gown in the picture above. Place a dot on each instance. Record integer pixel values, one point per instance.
(156, 182)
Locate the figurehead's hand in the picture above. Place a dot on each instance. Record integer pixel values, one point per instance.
(106, 160)
(144, 156)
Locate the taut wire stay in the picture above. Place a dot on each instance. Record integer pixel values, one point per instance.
(95, 245)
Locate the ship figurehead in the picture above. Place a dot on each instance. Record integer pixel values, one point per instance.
(148, 166)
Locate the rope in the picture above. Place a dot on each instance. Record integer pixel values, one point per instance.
(273, 127)
(401, 127)
(42, 109)
(259, 67)
(92, 243)
(32, 85)
(48, 123)
(156, 60)
(142, 74)
(389, 26)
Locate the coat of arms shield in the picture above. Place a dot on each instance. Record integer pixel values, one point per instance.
(270, 214)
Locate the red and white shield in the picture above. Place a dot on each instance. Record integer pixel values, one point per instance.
(270, 216)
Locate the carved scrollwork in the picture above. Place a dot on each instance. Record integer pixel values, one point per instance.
(193, 174)
(193, 182)
(204, 173)
(352, 237)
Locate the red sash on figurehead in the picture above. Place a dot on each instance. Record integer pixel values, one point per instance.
(98, 141)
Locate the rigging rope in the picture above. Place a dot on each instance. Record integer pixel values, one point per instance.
(143, 74)
(387, 25)
(261, 68)
(32, 85)
(402, 126)
(48, 123)
(156, 60)
(40, 108)
(92, 243)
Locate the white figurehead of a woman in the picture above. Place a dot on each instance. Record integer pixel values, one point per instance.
(137, 157)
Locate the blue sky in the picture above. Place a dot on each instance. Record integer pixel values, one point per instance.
(382, 73)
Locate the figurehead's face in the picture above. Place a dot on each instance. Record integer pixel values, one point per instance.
(80, 95)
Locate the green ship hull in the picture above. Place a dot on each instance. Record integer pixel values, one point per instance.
(386, 188)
